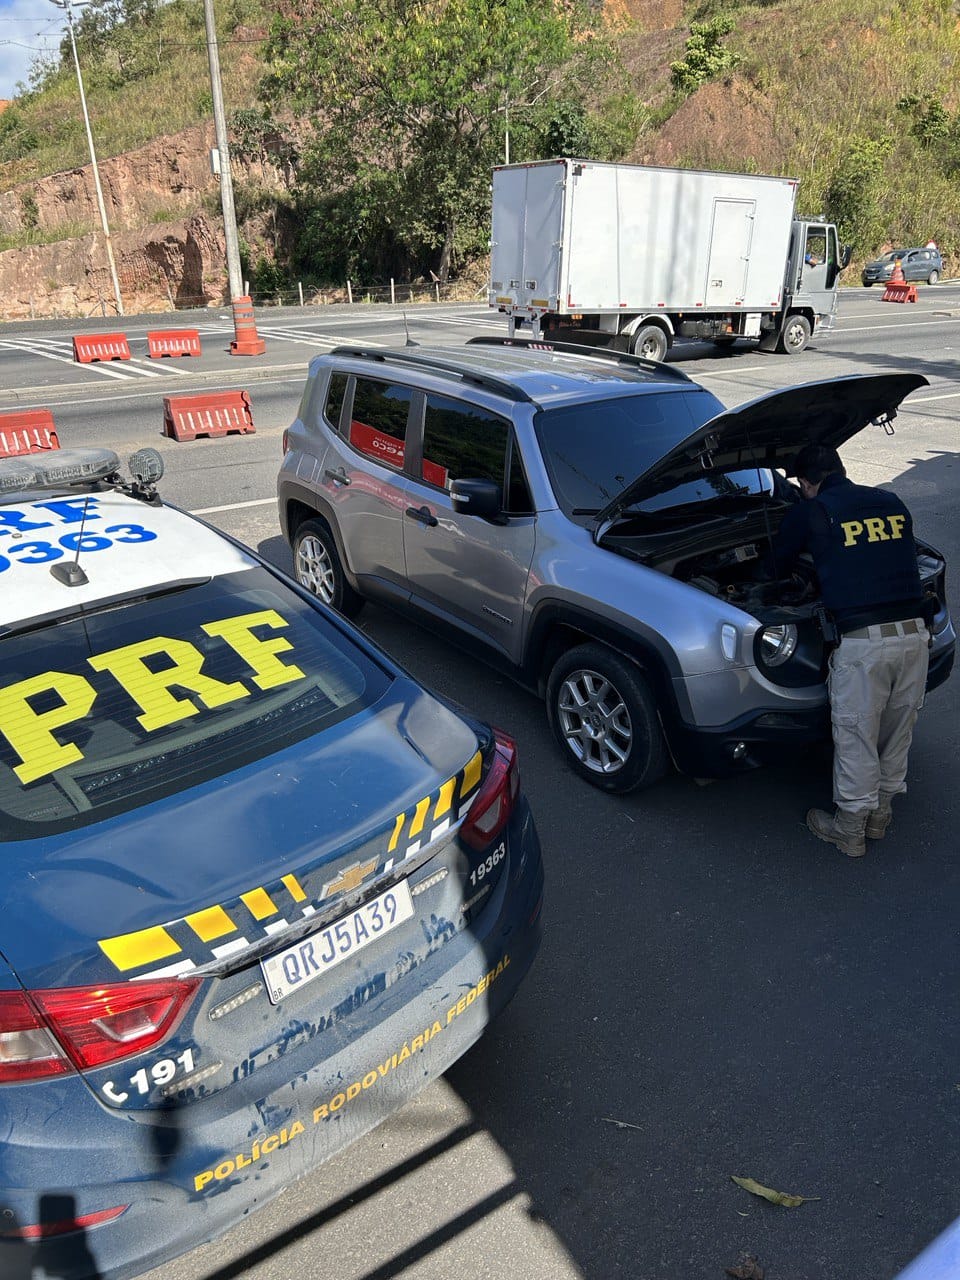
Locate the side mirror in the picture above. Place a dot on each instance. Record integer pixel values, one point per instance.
(476, 498)
(846, 253)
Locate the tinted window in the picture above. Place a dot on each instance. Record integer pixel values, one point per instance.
(378, 423)
(593, 451)
(107, 712)
(336, 394)
(461, 442)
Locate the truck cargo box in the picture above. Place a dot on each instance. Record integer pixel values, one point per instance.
(577, 236)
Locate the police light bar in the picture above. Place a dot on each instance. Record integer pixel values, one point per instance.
(66, 467)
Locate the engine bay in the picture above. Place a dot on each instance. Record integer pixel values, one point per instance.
(738, 574)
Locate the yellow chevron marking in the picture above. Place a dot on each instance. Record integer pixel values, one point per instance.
(446, 798)
(131, 950)
(416, 826)
(294, 888)
(471, 775)
(259, 903)
(212, 922)
(397, 828)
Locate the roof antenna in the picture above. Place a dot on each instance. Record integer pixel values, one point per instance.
(69, 572)
(409, 342)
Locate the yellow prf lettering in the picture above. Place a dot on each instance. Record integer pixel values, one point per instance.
(896, 524)
(30, 732)
(151, 689)
(258, 654)
(852, 530)
(875, 530)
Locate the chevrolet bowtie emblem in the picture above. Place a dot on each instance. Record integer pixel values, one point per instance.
(349, 878)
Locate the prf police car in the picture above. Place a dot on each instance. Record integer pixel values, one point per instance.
(259, 886)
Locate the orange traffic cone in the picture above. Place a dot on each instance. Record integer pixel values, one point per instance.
(246, 342)
(896, 276)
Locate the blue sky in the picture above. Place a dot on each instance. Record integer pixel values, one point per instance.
(27, 28)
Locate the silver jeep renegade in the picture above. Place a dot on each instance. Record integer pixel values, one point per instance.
(596, 525)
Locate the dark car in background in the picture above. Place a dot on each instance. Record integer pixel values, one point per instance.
(917, 265)
(260, 887)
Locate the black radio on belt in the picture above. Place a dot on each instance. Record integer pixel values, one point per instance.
(828, 628)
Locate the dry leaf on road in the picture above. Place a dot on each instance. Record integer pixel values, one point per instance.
(775, 1197)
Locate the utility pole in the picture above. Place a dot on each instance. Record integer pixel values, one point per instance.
(223, 150)
(66, 6)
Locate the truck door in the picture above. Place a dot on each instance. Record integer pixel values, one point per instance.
(731, 238)
(819, 268)
(525, 234)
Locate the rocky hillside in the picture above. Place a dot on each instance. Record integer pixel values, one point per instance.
(809, 84)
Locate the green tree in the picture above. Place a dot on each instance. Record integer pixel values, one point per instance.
(408, 98)
(706, 55)
(852, 198)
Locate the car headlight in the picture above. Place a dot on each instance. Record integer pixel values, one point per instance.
(778, 644)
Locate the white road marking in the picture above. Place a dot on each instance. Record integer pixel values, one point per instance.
(233, 506)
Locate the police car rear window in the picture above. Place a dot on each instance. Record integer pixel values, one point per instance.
(114, 709)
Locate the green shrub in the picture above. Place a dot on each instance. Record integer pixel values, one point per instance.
(706, 55)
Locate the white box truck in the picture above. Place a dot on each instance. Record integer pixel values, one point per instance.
(635, 257)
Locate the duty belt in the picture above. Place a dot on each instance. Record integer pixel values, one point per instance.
(886, 630)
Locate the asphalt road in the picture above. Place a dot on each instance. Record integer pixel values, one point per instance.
(717, 994)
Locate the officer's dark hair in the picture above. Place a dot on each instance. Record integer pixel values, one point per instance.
(815, 462)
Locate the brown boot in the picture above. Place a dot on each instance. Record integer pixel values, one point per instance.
(844, 829)
(879, 819)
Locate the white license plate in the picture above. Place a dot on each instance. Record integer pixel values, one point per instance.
(293, 968)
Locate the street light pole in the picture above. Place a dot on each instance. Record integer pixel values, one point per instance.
(65, 5)
(223, 149)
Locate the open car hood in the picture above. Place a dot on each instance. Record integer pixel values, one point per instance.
(771, 430)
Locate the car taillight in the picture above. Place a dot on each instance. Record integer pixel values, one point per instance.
(494, 802)
(286, 444)
(43, 1033)
(62, 1226)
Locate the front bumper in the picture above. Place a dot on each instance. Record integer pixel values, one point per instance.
(767, 736)
(188, 1180)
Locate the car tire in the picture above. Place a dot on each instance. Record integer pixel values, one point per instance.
(604, 717)
(868, 284)
(795, 336)
(933, 277)
(316, 566)
(650, 342)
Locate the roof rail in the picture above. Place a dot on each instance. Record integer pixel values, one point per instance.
(390, 355)
(580, 349)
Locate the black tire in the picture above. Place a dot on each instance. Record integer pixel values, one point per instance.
(604, 717)
(868, 284)
(650, 342)
(316, 566)
(933, 277)
(795, 336)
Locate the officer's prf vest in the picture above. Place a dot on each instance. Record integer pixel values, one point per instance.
(871, 557)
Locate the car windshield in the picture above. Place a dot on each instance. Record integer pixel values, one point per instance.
(592, 451)
(110, 710)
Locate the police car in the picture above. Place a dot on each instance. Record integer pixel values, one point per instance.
(259, 886)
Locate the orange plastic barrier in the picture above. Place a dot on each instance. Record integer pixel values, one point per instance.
(27, 431)
(247, 341)
(899, 291)
(173, 342)
(219, 413)
(88, 348)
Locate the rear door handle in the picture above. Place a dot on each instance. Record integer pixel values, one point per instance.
(338, 477)
(424, 515)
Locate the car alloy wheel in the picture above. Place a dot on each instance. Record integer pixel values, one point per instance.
(316, 566)
(603, 715)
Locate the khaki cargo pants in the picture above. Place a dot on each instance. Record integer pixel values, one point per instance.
(877, 680)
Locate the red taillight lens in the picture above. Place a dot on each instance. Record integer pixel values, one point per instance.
(62, 1227)
(491, 809)
(27, 1049)
(286, 441)
(86, 1026)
